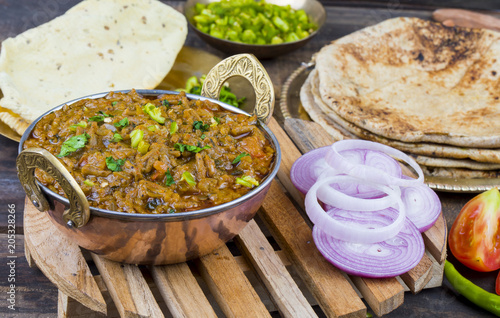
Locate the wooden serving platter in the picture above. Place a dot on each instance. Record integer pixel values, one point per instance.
(271, 268)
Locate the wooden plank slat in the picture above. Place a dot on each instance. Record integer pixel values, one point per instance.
(181, 292)
(229, 285)
(331, 289)
(307, 135)
(435, 239)
(64, 266)
(280, 284)
(290, 153)
(128, 288)
(382, 294)
(419, 276)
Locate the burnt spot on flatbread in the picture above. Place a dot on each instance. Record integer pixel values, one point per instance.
(446, 45)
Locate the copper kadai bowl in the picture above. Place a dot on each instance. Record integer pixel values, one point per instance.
(151, 238)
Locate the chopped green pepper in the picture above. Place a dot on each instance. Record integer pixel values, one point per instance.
(80, 124)
(153, 128)
(253, 22)
(143, 147)
(135, 137)
(247, 181)
(188, 177)
(173, 127)
(153, 112)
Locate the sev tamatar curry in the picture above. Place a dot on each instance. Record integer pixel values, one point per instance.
(169, 154)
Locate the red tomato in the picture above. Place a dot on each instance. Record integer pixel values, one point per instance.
(475, 235)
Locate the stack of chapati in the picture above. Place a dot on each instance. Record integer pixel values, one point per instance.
(96, 46)
(418, 86)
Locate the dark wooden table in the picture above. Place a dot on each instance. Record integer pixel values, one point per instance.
(36, 296)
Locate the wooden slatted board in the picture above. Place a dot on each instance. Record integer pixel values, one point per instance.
(271, 267)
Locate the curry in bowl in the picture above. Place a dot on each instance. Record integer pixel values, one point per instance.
(158, 155)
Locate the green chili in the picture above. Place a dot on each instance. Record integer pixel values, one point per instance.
(474, 293)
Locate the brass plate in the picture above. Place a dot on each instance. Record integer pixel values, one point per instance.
(190, 61)
(291, 107)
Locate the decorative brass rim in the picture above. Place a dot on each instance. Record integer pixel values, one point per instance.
(247, 66)
(28, 160)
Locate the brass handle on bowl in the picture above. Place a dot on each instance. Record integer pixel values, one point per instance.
(31, 158)
(247, 66)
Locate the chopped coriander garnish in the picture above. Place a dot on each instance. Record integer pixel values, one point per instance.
(153, 112)
(203, 136)
(73, 144)
(195, 149)
(171, 211)
(117, 137)
(238, 158)
(165, 103)
(114, 103)
(169, 179)
(198, 125)
(122, 123)
(96, 118)
(217, 119)
(99, 117)
(114, 165)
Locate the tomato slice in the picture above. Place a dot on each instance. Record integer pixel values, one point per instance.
(474, 237)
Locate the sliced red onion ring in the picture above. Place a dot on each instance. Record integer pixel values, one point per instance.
(330, 196)
(350, 232)
(306, 170)
(310, 166)
(337, 160)
(422, 204)
(390, 258)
